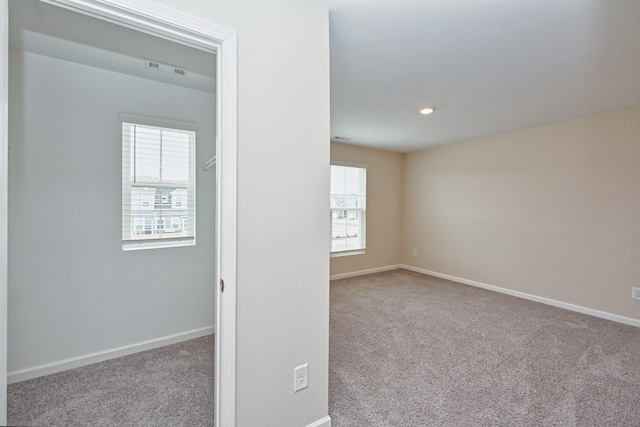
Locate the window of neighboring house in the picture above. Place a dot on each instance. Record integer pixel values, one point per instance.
(158, 163)
(348, 209)
(137, 226)
(178, 198)
(160, 225)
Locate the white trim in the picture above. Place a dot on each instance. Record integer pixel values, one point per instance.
(349, 164)
(165, 22)
(100, 356)
(524, 295)
(322, 422)
(226, 232)
(159, 122)
(362, 210)
(152, 18)
(140, 245)
(338, 254)
(4, 191)
(363, 272)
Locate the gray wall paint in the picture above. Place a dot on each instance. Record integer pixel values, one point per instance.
(4, 21)
(72, 290)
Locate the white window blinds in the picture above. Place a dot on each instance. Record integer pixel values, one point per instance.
(158, 186)
(348, 206)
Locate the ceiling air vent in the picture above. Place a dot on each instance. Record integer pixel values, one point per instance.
(342, 138)
(164, 68)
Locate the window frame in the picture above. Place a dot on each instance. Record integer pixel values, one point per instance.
(362, 211)
(126, 218)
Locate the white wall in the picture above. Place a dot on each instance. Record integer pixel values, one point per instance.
(72, 290)
(283, 185)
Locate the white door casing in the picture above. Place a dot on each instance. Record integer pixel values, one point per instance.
(160, 21)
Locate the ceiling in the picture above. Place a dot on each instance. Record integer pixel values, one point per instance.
(59, 33)
(489, 66)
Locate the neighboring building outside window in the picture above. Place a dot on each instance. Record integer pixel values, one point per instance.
(178, 198)
(176, 223)
(158, 186)
(348, 209)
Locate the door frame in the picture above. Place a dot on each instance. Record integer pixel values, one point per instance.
(167, 23)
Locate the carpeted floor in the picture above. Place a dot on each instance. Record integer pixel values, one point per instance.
(168, 386)
(413, 350)
(405, 350)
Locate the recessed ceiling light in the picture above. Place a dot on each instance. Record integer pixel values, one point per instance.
(427, 110)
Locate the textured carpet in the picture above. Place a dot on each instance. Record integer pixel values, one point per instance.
(168, 386)
(413, 350)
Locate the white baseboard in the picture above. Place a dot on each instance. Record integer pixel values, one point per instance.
(76, 362)
(543, 300)
(363, 272)
(322, 422)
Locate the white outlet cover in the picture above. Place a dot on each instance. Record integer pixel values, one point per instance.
(301, 377)
(635, 293)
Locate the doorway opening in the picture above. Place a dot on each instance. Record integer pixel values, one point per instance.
(73, 298)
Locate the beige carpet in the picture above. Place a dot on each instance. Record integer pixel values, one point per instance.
(405, 350)
(413, 350)
(168, 386)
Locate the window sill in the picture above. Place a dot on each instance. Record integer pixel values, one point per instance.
(347, 253)
(156, 244)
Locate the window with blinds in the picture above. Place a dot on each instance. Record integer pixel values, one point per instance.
(158, 186)
(348, 206)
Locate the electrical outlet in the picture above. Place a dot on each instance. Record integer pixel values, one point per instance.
(635, 293)
(301, 377)
(414, 252)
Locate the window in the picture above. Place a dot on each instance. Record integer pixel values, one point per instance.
(348, 209)
(158, 185)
